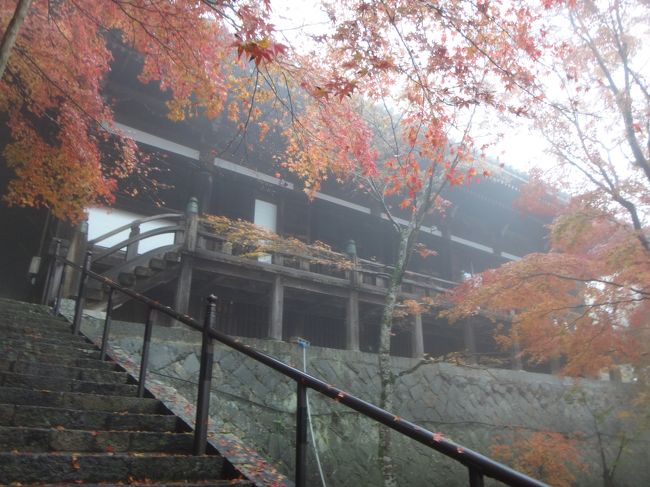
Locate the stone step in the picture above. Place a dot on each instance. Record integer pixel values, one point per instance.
(158, 264)
(57, 333)
(50, 417)
(59, 439)
(55, 370)
(48, 341)
(39, 336)
(9, 379)
(56, 359)
(67, 350)
(39, 313)
(55, 328)
(28, 468)
(76, 400)
(172, 257)
(36, 319)
(6, 303)
(142, 272)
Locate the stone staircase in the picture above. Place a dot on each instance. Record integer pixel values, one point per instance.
(68, 418)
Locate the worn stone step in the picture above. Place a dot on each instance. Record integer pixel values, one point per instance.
(142, 272)
(43, 339)
(43, 369)
(47, 417)
(40, 337)
(55, 333)
(81, 401)
(21, 312)
(38, 319)
(67, 350)
(56, 359)
(55, 325)
(106, 467)
(7, 303)
(60, 439)
(9, 379)
(158, 264)
(172, 257)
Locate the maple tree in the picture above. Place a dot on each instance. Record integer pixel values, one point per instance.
(51, 93)
(586, 302)
(545, 455)
(416, 74)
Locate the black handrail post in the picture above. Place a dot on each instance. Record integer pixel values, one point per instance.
(81, 295)
(205, 378)
(145, 352)
(301, 435)
(475, 477)
(107, 325)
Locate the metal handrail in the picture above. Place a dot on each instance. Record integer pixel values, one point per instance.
(135, 223)
(479, 466)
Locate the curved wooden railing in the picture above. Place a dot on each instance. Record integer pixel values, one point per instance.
(132, 242)
(136, 224)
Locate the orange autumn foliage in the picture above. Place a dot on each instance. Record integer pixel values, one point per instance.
(584, 302)
(51, 92)
(548, 456)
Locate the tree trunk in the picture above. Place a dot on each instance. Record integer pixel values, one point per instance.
(9, 37)
(386, 374)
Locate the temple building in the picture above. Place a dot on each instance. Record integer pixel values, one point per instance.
(170, 254)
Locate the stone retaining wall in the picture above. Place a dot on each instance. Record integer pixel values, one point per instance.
(475, 407)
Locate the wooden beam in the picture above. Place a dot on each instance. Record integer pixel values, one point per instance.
(276, 309)
(241, 267)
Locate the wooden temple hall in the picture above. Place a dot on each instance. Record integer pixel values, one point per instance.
(170, 254)
(174, 256)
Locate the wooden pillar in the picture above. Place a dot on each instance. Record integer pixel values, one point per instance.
(184, 282)
(184, 285)
(352, 306)
(76, 252)
(276, 309)
(417, 337)
(352, 321)
(470, 340)
(132, 248)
